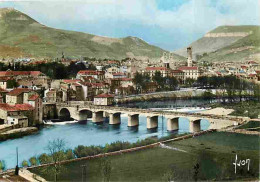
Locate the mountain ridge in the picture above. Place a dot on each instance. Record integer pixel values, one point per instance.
(216, 43)
(22, 36)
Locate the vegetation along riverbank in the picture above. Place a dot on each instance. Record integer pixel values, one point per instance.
(176, 160)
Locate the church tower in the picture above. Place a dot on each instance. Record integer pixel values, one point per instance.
(189, 53)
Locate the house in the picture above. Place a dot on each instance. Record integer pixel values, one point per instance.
(22, 74)
(100, 75)
(3, 82)
(151, 71)
(178, 74)
(3, 93)
(36, 102)
(190, 72)
(104, 99)
(18, 96)
(13, 114)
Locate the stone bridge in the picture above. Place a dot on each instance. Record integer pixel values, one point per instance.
(99, 113)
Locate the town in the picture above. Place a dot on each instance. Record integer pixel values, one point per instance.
(180, 103)
(24, 93)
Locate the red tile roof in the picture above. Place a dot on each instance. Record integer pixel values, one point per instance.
(104, 96)
(71, 81)
(5, 79)
(18, 91)
(16, 73)
(188, 68)
(33, 97)
(177, 71)
(91, 72)
(16, 107)
(155, 68)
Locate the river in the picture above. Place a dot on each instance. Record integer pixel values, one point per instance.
(86, 133)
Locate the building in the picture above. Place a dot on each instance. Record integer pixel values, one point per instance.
(104, 99)
(18, 96)
(190, 72)
(36, 102)
(178, 74)
(20, 120)
(22, 74)
(189, 59)
(163, 70)
(16, 114)
(100, 75)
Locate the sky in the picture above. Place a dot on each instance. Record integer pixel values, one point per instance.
(169, 24)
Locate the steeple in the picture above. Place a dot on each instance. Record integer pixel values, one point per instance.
(189, 53)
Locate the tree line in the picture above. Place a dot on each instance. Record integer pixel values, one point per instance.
(142, 82)
(231, 86)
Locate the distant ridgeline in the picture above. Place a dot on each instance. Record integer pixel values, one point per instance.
(229, 34)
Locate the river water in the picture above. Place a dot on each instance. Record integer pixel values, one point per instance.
(87, 133)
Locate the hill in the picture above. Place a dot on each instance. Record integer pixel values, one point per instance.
(22, 36)
(227, 43)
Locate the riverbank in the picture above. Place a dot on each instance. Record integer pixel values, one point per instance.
(215, 151)
(17, 133)
(218, 111)
(179, 94)
(245, 108)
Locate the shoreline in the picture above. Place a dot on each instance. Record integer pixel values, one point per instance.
(17, 133)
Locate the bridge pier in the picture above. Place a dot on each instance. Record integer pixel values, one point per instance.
(152, 122)
(172, 124)
(114, 118)
(133, 120)
(195, 125)
(97, 117)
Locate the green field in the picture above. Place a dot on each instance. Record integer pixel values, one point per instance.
(214, 153)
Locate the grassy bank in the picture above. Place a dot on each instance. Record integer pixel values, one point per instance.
(212, 154)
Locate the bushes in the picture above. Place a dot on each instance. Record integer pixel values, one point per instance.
(33, 161)
(25, 163)
(44, 158)
(84, 151)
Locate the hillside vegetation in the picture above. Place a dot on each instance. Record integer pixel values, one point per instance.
(21, 36)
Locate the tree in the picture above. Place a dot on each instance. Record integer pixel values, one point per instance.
(69, 154)
(33, 161)
(141, 80)
(172, 83)
(2, 165)
(25, 163)
(189, 82)
(12, 84)
(44, 158)
(105, 169)
(56, 149)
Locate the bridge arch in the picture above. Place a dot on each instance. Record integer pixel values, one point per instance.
(84, 114)
(64, 114)
(173, 124)
(195, 125)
